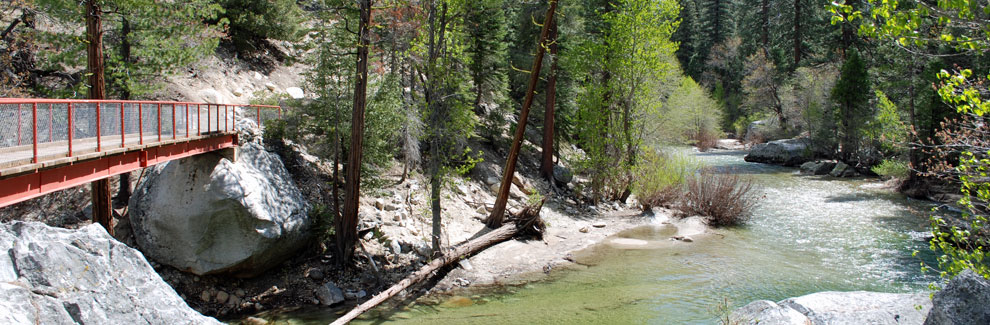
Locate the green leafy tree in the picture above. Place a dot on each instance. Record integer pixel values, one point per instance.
(633, 55)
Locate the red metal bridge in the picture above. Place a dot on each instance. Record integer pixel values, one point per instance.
(48, 145)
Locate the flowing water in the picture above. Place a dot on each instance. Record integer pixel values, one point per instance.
(808, 234)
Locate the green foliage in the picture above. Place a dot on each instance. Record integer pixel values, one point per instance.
(688, 113)
(322, 217)
(958, 24)
(327, 117)
(851, 94)
(274, 131)
(629, 59)
(487, 31)
(252, 22)
(886, 127)
(144, 41)
(659, 178)
(963, 243)
(892, 168)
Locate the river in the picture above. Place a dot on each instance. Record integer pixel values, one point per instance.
(808, 234)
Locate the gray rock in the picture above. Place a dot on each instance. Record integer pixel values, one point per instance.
(861, 307)
(355, 295)
(562, 175)
(395, 247)
(788, 152)
(492, 180)
(423, 249)
(391, 207)
(222, 297)
(820, 167)
(295, 92)
(843, 170)
(206, 214)
(962, 301)
(598, 224)
(84, 276)
(315, 274)
(329, 294)
(858, 307)
(768, 312)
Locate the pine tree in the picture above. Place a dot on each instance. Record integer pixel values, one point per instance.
(852, 94)
(144, 40)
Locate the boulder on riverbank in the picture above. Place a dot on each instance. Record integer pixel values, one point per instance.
(207, 214)
(787, 152)
(843, 170)
(962, 301)
(820, 167)
(59, 276)
(857, 307)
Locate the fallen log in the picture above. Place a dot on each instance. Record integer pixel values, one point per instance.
(497, 236)
(527, 223)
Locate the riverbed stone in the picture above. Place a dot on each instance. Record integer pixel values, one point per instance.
(207, 214)
(862, 307)
(821, 167)
(627, 243)
(843, 170)
(831, 307)
(787, 152)
(962, 301)
(768, 312)
(329, 294)
(59, 276)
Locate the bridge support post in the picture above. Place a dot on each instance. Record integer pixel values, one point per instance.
(102, 209)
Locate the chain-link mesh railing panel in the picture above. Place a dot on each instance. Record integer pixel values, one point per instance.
(11, 125)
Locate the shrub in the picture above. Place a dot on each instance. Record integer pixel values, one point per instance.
(659, 178)
(724, 199)
(889, 168)
(706, 140)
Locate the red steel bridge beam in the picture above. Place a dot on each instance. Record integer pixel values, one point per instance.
(18, 188)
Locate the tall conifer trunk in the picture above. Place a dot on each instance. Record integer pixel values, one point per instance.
(102, 209)
(546, 165)
(347, 224)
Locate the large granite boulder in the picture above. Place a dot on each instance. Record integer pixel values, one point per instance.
(857, 307)
(787, 152)
(206, 214)
(60, 276)
(963, 301)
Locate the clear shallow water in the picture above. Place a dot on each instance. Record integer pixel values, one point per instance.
(808, 234)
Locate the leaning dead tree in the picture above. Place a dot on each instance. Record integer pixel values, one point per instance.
(495, 219)
(526, 223)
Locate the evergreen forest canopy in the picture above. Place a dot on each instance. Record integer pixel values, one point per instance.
(897, 87)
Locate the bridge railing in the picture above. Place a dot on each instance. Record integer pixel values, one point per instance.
(34, 130)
